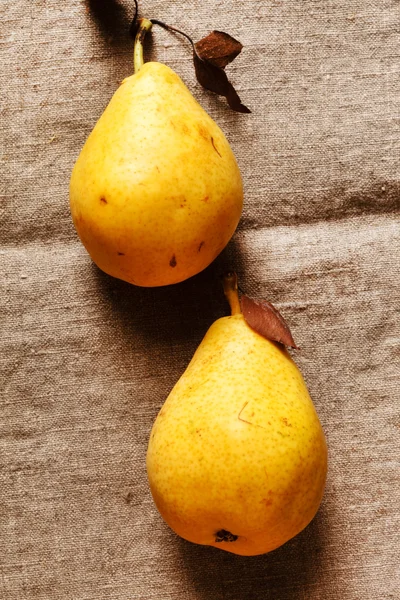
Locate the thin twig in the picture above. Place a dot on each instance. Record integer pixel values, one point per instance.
(132, 28)
(170, 28)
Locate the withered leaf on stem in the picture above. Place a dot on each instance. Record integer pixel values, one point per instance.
(264, 318)
(214, 79)
(218, 48)
(210, 55)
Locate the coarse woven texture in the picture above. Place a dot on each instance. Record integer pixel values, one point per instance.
(87, 360)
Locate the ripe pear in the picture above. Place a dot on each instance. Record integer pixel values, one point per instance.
(237, 458)
(156, 192)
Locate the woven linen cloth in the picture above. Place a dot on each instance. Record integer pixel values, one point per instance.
(87, 360)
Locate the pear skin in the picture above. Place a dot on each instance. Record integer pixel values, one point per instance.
(156, 192)
(237, 458)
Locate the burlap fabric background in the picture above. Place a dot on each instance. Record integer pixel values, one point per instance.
(87, 360)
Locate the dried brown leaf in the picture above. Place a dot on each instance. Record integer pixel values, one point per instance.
(214, 79)
(222, 49)
(264, 318)
(218, 48)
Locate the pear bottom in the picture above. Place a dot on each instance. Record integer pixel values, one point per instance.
(237, 457)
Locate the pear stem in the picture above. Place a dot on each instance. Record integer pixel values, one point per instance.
(144, 26)
(231, 292)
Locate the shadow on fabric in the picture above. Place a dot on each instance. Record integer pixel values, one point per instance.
(112, 20)
(174, 313)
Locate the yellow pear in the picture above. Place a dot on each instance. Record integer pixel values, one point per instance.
(156, 192)
(237, 458)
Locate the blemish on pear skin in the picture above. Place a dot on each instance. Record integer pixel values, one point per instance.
(267, 501)
(225, 536)
(121, 253)
(200, 246)
(215, 147)
(244, 420)
(203, 132)
(172, 262)
(103, 200)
